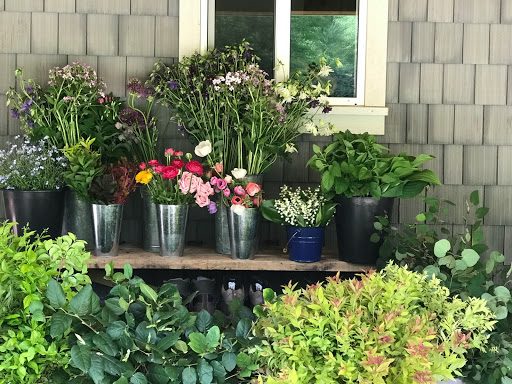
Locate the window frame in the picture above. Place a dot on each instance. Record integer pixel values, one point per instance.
(366, 117)
(282, 43)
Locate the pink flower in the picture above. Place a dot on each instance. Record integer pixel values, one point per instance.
(252, 189)
(226, 192)
(256, 201)
(239, 190)
(221, 184)
(213, 180)
(169, 152)
(202, 200)
(205, 189)
(153, 163)
(218, 167)
(142, 166)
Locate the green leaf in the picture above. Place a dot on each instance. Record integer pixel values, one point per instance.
(229, 361)
(138, 378)
(501, 312)
(189, 376)
(205, 372)
(105, 344)
(168, 341)
(460, 265)
(198, 343)
(158, 375)
(116, 329)
(377, 226)
(148, 292)
(421, 217)
(498, 257)
(97, 370)
(502, 293)
(121, 380)
(327, 181)
(481, 212)
(470, 257)
(441, 248)
(474, 198)
(60, 324)
(213, 337)
(128, 271)
(55, 294)
(81, 357)
(218, 371)
(243, 328)
(203, 321)
(80, 305)
(374, 238)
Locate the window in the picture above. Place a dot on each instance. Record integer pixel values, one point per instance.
(297, 32)
(289, 31)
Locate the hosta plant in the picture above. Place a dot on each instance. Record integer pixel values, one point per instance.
(28, 264)
(394, 326)
(140, 335)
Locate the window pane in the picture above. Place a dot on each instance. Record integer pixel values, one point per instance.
(329, 29)
(253, 21)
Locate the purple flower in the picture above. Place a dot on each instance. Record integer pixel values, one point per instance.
(131, 117)
(25, 107)
(327, 109)
(137, 87)
(15, 113)
(29, 89)
(314, 103)
(212, 207)
(173, 85)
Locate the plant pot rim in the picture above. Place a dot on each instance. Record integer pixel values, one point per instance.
(33, 191)
(108, 205)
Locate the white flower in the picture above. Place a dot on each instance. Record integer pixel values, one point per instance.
(323, 100)
(239, 173)
(228, 179)
(290, 148)
(119, 125)
(325, 71)
(285, 94)
(204, 148)
(237, 209)
(309, 127)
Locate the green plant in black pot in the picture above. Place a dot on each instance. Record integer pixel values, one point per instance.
(360, 175)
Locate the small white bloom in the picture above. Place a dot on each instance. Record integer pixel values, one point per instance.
(309, 127)
(285, 94)
(228, 179)
(119, 125)
(237, 209)
(325, 71)
(290, 148)
(204, 148)
(239, 173)
(323, 100)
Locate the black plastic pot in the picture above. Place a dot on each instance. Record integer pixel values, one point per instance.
(355, 217)
(39, 210)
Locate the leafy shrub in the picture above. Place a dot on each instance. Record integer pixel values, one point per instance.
(139, 335)
(457, 259)
(395, 326)
(28, 264)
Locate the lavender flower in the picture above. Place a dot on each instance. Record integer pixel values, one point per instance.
(212, 207)
(131, 117)
(25, 107)
(15, 114)
(138, 88)
(173, 85)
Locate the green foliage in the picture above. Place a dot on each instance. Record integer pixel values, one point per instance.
(356, 165)
(84, 166)
(142, 335)
(299, 207)
(463, 263)
(28, 266)
(395, 327)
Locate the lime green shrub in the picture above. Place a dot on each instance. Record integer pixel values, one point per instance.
(395, 326)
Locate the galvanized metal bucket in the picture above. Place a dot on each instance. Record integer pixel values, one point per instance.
(107, 228)
(172, 227)
(222, 244)
(150, 238)
(244, 232)
(78, 218)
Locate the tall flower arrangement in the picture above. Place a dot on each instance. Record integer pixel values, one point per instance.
(225, 98)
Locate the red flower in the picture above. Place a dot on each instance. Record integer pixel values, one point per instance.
(142, 166)
(170, 172)
(236, 200)
(195, 167)
(153, 163)
(159, 168)
(252, 189)
(178, 163)
(178, 153)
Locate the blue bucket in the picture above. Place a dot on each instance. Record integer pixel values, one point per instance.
(305, 244)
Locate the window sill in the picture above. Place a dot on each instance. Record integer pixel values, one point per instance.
(357, 119)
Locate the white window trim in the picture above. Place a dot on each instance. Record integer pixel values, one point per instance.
(368, 116)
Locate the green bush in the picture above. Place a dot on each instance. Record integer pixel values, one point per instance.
(395, 327)
(139, 335)
(27, 264)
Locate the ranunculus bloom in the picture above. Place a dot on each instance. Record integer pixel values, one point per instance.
(236, 200)
(153, 163)
(219, 168)
(195, 167)
(142, 166)
(252, 189)
(159, 168)
(170, 172)
(178, 153)
(221, 184)
(204, 148)
(205, 189)
(213, 180)
(226, 192)
(239, 173)
(228, 179)
(144, 177)
(239, 190)
(202, 200)
(178, 163)
(237, 209)
(189, 183)
(169, 152)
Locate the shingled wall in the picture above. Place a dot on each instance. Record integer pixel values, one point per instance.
(449, 89)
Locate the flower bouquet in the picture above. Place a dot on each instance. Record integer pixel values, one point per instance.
(224, 97)
(173, 186)
(305, 212)
(32, 182)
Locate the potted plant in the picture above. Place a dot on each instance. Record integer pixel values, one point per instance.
(137, 121)
(173, 186)
(360, 175)
(306, 213)
(242, 199)
(32, 184)
(392, 326)
(224, 98)
(109, 192)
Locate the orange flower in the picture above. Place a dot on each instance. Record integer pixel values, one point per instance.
(236, 200)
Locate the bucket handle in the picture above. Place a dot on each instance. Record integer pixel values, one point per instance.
(285, 249)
